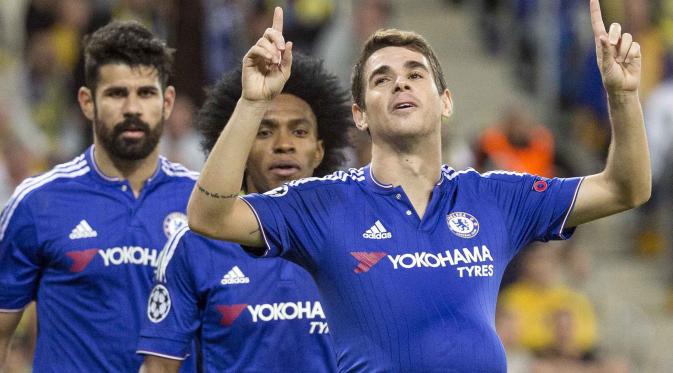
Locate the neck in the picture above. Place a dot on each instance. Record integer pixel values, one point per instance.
(414, 167)
(136, 172)
(411, 163)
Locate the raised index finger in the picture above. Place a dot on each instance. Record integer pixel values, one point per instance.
(278, 19)
(596, 19)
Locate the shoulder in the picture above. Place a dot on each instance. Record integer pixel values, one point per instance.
(61, 173)
(177, 172)
(339, 180)
(42, 185)
(186, 249)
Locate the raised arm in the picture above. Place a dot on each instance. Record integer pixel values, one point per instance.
(626, 181)
(214, 209)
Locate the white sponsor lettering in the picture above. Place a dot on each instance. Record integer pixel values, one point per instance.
(377, 236)
(129, 255)
(319, 327)
(455, 257)
(286, 311)
(476, 271)
(450, 257)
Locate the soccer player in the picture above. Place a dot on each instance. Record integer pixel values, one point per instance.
(408, 254)
(82, 240)
(248, 314)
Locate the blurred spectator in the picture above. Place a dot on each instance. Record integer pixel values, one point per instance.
(48, 93)
(304, 20)
(225, 37)
(508, 327)
(151, 13)
(517, 143)
(180, 142)
(338, 46)
(538, 294)
(565, 356)
(355, 21)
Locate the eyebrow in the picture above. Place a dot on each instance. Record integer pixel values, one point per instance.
(409, 65)
(270, 122)
(126, 89)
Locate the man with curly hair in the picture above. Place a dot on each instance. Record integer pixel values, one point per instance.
(83, 239)
(241, 310)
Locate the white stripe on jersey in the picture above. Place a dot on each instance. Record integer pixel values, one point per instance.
(167, 253)
(451, 174)
(572, 205)
(72, 169)
(176, 169)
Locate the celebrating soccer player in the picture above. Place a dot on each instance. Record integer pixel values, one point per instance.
(248, 314)
(408, 254)
(82, 240)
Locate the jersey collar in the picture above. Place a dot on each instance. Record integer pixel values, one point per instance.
(381, 187)
(98, 175)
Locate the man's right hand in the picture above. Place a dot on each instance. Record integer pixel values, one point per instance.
(267, 65)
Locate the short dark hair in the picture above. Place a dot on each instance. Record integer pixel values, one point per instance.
(126, 42)
(393, 38)
(310, 82)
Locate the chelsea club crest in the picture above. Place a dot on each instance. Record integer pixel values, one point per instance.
(173, 222)
(462, 224)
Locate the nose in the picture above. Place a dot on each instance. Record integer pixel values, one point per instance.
(132, 105)
(283, 142)
(401, 84)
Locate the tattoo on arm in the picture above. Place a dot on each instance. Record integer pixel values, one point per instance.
(214, 194)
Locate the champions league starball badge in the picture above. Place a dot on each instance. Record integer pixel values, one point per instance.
(462, 224)
(278, 192)
(159, 304)
(173, 222)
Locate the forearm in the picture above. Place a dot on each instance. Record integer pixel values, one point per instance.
(8, 323)
(628, 170)
(222, 175)
(156, 364)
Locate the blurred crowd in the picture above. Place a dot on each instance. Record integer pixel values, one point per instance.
(546, 321)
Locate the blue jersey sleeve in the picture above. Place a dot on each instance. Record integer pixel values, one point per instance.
(534, 208)
(20, 263)
(294, 222)
(172, 316)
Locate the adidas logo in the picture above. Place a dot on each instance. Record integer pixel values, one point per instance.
(234, 276)
(82, 230)
(377, 232)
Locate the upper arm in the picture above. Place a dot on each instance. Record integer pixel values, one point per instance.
(239, 225)
(20, 263)
(596, 198)
(8, 323)
(158, 364)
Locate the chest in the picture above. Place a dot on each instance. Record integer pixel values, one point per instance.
(461, 244)
(248, 294)
(89, 235)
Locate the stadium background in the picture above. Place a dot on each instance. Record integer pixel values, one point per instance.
(518, 68)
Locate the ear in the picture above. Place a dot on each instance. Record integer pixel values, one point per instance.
(86, 103)
(359, 117)
(319, 154)
(447, 103)
(169, 101)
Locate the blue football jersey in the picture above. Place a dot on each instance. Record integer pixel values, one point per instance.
(248, 315)
(85, 249)
(406, 294)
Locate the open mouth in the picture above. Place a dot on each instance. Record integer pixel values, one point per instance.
(404, 104)
(284, 169)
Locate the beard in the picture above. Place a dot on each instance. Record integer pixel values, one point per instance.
(124, 148)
